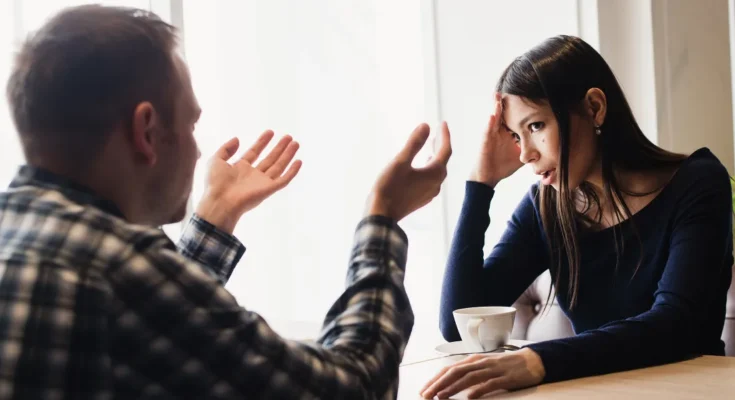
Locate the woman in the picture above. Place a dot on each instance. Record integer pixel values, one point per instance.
(637, 239)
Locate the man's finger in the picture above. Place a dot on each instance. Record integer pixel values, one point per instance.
(275, 154)
(228, 149)
(445, 150)
(254, 151)
(435, 171)
(283, 180)
(414, 144)
(283, 160)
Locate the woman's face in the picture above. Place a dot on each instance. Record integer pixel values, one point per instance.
(536, 132)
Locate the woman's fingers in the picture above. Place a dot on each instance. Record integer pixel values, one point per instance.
(454, 376)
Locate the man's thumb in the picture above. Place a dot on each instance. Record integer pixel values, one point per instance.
(414, 144)
(227, 150)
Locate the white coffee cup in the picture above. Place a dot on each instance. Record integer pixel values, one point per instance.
(484, 328)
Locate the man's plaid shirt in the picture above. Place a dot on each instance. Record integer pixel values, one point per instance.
(93, 307)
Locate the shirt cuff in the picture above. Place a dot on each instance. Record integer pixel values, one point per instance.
(554, 371)
(208, 245)
(380, 234)
(477, 198)
(480, 190)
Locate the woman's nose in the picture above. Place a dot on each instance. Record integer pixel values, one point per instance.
(528, 152)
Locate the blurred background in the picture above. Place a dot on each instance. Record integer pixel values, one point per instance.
(350, 79)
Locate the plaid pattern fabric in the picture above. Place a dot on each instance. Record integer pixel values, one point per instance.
(92, 307)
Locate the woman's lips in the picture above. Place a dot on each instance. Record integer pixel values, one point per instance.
(548, 177)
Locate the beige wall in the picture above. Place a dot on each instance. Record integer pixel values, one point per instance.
(626, 42)
(693, 76)
(672, 58)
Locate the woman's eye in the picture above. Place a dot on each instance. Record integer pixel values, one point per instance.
(535, 126)
(516, 137)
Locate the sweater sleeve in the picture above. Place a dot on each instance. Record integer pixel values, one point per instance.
(515, 261)
(700, 244)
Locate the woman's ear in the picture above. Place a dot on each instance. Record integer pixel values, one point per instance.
(596, 105)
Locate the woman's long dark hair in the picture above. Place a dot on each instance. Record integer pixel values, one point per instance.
(560, 71)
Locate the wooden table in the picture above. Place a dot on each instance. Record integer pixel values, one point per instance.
(705, 377)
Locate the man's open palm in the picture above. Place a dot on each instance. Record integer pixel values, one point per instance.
(402, 189)
(236, 188)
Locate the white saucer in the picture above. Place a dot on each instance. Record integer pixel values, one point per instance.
(458, 347)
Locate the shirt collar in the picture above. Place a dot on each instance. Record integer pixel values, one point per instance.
(34, 176)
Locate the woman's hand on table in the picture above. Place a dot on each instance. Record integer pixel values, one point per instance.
(486, 373)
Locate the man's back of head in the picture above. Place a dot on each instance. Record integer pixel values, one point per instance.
(95, 94)
(81, 75)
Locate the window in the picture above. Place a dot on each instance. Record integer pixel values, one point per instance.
(349, 80)
(346, 80)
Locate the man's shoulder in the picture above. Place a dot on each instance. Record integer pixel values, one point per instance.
(53, 225)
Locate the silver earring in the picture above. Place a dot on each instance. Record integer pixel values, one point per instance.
(598, 130)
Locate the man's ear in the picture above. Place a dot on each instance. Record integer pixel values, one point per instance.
(595, 104)
(144, 128)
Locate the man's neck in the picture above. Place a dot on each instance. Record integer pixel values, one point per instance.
(108, 185)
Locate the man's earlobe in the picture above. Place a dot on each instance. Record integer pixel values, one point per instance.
(143, 132)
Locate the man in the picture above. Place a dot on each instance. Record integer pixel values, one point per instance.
(95, 302)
